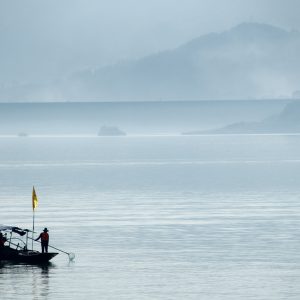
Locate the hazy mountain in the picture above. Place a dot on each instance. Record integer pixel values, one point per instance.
(249, 61)
(288, 121)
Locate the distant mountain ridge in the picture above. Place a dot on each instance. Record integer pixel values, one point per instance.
(249, 61)
(287, 121)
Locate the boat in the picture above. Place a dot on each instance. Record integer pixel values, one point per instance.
(15, 249)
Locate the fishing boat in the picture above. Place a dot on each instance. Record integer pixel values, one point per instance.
(15, 249)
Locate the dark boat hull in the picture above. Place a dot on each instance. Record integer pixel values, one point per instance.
(25, 256)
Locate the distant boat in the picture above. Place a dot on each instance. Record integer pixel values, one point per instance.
(110, 131)
(22, 134)
(15, 249)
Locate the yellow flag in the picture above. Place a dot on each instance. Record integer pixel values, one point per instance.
(34, 199)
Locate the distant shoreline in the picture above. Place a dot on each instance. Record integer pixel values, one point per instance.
(263, 100)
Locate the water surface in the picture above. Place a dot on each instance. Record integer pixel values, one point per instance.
(178, 217)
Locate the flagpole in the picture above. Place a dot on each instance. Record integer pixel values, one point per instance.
(32, 228)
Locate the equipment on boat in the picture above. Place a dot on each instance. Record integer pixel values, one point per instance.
(15, 248)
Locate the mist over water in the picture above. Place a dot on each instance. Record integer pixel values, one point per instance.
(162, 140)
(210, 217)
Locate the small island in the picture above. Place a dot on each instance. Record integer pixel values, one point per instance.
(110, 131)
(22, 134)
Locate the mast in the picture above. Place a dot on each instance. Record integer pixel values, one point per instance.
(32, 229)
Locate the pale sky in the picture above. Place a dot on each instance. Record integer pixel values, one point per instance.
(49, 39)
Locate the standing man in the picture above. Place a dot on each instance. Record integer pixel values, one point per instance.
(2, 240)
(44, 236)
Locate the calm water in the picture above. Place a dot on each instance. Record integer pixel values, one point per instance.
(207, 217)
